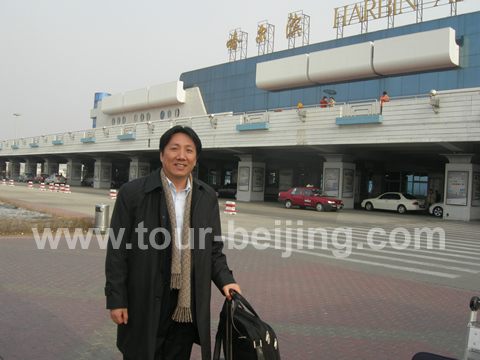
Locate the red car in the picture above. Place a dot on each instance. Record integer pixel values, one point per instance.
(40, 178)
(309, 197)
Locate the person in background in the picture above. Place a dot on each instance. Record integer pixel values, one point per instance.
(431, 198)
(324, 102)
(383, 98)
(164, 251)
(332, 102)
(438, 197)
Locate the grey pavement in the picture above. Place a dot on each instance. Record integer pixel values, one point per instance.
(379, 305)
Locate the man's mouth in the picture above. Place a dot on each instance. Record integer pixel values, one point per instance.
(180, 165)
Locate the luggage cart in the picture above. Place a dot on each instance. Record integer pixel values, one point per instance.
(472, 345)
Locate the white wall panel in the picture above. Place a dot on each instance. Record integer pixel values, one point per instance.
(283, 73)
(166, 94)
(112, 104)
(406, 120)
(341, 64)
(427, 50)
(135, 99)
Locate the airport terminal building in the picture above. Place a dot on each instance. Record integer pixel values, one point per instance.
(255, 134)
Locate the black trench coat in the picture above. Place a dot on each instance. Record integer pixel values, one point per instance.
(136, 277)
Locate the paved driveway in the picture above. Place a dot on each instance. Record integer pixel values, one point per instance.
(53, 307)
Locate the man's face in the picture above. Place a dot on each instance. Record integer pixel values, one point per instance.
(179, 157)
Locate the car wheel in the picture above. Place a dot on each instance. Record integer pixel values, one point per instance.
(319, 207)
(369, 206)
(288, 204)
(437, 211)
(401, 209)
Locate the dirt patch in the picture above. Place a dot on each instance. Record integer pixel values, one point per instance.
(20, 219)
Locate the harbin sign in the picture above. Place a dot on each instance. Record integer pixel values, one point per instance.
(376, 9)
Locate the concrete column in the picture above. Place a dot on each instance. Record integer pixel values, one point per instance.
(31, 166)
(102, 176)
(138, 167)
(13, 169)
(250, 178)
(50, 166)
(3, 168)
(462, 188)
(339, 178)
(74, 172)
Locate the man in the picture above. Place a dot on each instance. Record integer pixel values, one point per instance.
(158, 291)
(431, 198)
(383, 98)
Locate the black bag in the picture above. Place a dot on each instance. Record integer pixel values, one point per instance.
(243, 334)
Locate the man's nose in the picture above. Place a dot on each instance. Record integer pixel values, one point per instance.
(181, 154)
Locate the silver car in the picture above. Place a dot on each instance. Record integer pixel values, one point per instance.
(55, 179)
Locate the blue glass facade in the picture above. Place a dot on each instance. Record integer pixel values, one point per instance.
(98, 97)
(231, 86)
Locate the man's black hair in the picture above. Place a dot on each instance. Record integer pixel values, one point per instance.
(183, 130)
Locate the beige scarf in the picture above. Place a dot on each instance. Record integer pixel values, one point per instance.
(181, 270)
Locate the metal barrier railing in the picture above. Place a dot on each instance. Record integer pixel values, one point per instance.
(353, 108)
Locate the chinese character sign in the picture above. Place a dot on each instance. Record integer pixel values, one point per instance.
(233, 41)
(293, 26)
(261, 32)
(237, 44)
(265, 37)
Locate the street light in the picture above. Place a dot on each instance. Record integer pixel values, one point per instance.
(16, 116)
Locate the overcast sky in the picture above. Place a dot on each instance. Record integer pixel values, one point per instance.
(55, 54)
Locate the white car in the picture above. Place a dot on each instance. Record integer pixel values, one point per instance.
(395, 201)
(88, 180)
(436, 209)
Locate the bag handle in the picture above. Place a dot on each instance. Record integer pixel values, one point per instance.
(239, 299)
(228, 344)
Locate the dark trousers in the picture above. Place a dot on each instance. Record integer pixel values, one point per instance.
(174, 340)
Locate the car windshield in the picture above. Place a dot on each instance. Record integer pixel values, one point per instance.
(408, 196)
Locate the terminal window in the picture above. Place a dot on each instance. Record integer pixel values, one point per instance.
(415, 183)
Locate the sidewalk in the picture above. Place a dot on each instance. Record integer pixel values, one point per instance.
(53, 306)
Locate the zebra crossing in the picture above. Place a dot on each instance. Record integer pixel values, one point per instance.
(435, 249)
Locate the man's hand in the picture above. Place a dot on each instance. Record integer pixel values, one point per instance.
(119, 316)
(226, 290)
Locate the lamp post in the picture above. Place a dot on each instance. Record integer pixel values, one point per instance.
(16, 116)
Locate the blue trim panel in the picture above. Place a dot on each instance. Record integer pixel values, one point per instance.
(57, 142)
(87, 140)
(126, 137)
(33, 144)
(14, 146)
(256, 126)
(371, 119)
